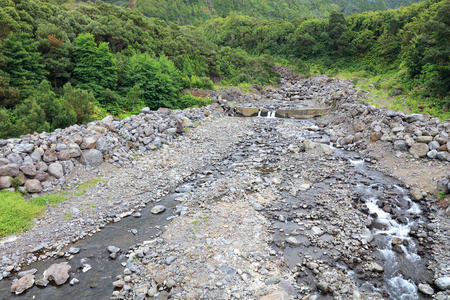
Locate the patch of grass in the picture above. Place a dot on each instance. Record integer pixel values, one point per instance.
(16, 214)
(80, 193)
(380, 95)
(67, 216)
(51, 199)
(91, 182)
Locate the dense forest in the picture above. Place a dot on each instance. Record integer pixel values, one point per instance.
(193, 11)
(65, 62)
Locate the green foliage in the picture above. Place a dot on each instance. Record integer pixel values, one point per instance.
(159, 81)
(16, 214)
(23, 62)
(50, 199)
(187, 100)
(199, 82)
(95, 68)
(193, 11)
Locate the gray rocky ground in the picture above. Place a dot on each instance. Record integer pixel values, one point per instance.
(259, 208)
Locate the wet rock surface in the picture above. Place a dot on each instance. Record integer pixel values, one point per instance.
(248, 208)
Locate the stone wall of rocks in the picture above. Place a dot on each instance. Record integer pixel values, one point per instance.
(39, 162)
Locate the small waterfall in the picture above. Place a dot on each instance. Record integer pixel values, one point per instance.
(259, 112)
(398, 287)
(271, 114)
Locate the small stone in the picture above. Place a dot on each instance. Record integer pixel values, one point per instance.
(323, 286)
(170, 259)
(119, 283)
(158, 209)
(74, 281)
(74, 250)
(293, 241)
(170, 283)
(113, 249)
(25, 273)
(426, 289)
(42, 282)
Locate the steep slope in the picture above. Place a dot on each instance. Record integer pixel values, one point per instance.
(185, 12)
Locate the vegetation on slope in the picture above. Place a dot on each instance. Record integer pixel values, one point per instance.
(190, 12)
(65, 64)
(409, 44)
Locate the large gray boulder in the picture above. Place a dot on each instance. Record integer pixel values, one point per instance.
(59, 273)
(56, 169)
(33, 186)
(9, 170)
(92, 158)
(419, 149)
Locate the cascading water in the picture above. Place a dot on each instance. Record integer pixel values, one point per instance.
(271, 114)
(395, 243)
(259, 113)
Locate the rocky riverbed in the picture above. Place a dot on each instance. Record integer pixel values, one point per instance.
(254, 208)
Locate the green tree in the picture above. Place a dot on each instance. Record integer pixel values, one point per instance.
(23, 62)
(56, 48)
(160, 81)
(81, 101)
(95, 69)
(30, 117)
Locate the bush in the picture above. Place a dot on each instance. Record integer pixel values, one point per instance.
(187, 100)
(201, 83)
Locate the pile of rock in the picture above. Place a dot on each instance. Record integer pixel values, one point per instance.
(38, 162)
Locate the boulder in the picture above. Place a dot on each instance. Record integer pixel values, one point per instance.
(22, 284)
(426, 289)
(33, 186)
(317, 148)
(15, 158)
(9, 170)
(41, 176)
(419, 149)
(36, 157)
(74, 150)
(424, 139)
(92, 158)
(41, 166)
(5, 182)
(50, 155)
(414, 118)
(29, 170)
(56, 169)
(443, 283)
(400, 145)
(359, 125)
(59, 273)
(443, 155)
(63, 155)
(99, 129)
(89, 143)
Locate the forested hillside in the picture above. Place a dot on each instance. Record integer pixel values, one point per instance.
(61, 65)
(185, 12)
(65, 63)
(411, 43)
